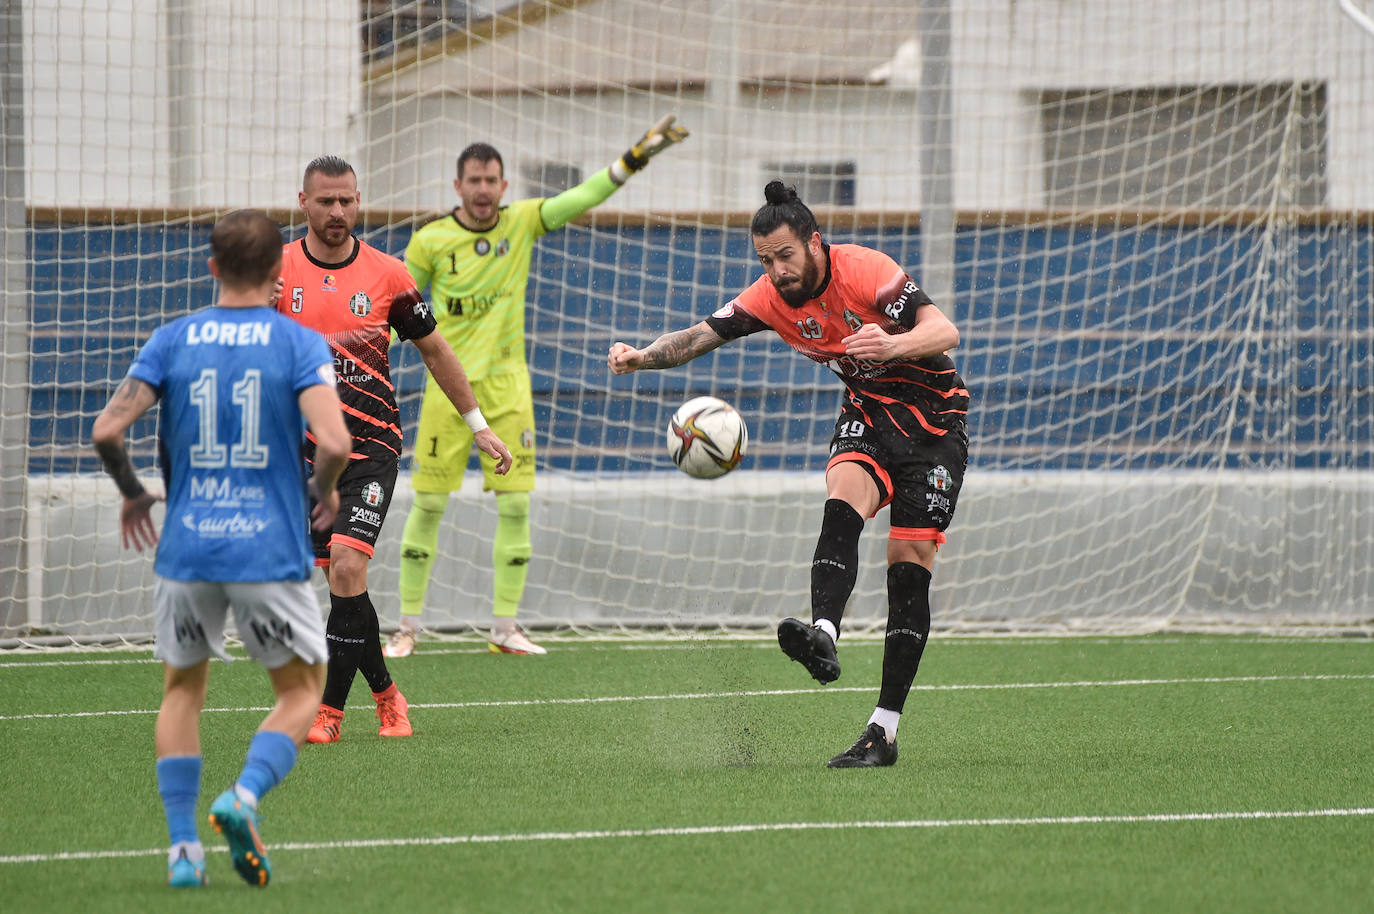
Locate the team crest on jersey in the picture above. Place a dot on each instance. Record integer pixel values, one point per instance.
(373, 494)
(329, 285)
(482, 247)
(527, 438)
(938, 478)
(503, 247)
(360, 304)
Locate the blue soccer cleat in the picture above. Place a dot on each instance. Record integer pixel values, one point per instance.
(238, 822)
(184, 873)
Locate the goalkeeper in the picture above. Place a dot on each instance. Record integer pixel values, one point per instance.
(476, 261)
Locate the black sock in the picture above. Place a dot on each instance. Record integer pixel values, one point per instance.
(371, 661)
(908, 627)
(835, 564)
(344, 633)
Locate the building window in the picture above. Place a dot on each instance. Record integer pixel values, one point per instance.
(817, 183)
(1181, 146)
(543, 178)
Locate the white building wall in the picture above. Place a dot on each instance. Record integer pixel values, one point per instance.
(195, 103)
(267, 86)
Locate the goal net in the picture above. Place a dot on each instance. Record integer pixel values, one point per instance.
(1151, 222)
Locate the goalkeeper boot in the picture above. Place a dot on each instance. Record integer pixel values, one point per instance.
(238, 822)
(511, 639)
(811, 647)
(393, 713)
(872, 750)
(327, 726)
(400, 644)
(185, 873)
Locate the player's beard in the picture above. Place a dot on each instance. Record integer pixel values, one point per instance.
(798, 293)
(335, 233)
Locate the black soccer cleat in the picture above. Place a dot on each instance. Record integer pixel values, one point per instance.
(810, 647)
(871, 751)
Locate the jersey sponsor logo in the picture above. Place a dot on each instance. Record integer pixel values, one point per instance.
(329, 283)
(373, 494)
(482, 247)
(364, 516)
(236, 527)
(939, 479)
(360, 304)
(221, 492)
(227, 333)
(849, 367)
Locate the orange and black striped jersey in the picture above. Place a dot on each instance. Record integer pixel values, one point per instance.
(355, 305)
(861, 286)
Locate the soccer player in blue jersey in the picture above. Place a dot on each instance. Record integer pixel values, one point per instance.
(238, 383)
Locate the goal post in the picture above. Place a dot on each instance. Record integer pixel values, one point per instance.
(1153, 223)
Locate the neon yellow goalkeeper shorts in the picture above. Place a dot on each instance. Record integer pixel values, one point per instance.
(443, 442)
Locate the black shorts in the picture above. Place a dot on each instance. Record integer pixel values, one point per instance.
(365, 491)
(917, 471)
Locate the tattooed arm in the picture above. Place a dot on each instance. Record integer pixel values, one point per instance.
(131, 399)
(668, 351)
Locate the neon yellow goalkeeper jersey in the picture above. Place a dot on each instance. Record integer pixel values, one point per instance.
(477, 284)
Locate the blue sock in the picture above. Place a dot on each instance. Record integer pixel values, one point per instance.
(178, 780)
(270, 756)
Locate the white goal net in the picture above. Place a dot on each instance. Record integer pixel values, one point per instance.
(1153, 223)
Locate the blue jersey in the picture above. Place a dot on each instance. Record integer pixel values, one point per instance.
(230, 439)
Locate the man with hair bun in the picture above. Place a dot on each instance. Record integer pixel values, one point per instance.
(900, 440)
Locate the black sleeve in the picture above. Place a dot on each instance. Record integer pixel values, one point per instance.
(410, 317)
(899, 302)
(732, 322)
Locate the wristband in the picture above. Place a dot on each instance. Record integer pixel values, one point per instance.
(473, 418)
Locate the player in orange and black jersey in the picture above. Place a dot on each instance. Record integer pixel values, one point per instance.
(901, 438)
(356, 296)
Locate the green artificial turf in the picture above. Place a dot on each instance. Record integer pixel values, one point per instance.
(1092, 774)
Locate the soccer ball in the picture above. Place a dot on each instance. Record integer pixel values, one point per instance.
(707, 438)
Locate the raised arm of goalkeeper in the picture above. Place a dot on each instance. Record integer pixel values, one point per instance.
(557, 211)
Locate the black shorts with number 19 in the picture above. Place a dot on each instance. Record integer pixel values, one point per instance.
(918, 468)
(365, 491)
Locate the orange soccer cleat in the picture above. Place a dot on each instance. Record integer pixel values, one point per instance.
(325, 729)
(393, 715)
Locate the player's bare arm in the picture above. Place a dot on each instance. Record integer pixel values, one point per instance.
(131, 400)
(320, 407)
(668, 351)
(932, 334)
(448, 373)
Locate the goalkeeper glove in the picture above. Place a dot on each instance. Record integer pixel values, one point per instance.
(656, 139)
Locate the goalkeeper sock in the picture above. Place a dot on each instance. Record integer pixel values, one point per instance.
(270, 756)
(835, 564)
(371, 660)
(510, 552)
(178, 781)
(908, 626)
(419, 543)
(344, 635)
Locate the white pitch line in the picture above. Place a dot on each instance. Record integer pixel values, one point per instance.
(744, 828)
(755, 693)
